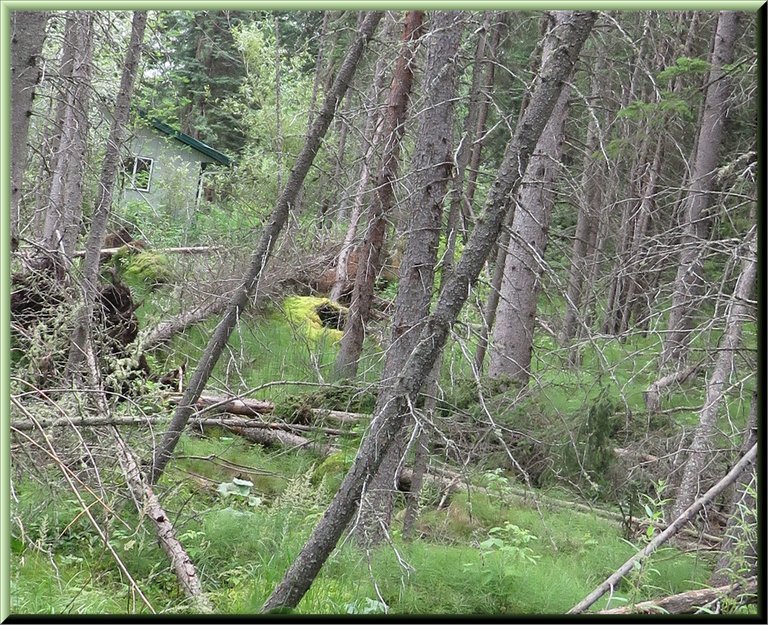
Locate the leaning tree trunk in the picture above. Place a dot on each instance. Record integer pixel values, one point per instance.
(109, 169)
(27, 36)
(512, 344)
(431, 168)
(738, 559)
(369, 251)
(689, 279)
(716, 385)
(390, 415)
(62, 223)
(261, 254)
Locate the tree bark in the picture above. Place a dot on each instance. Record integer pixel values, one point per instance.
(27, 36)
(265, 246)
(62, 223)
(390, 415)
(81, 335)
(586, 222)
(369, 251)
(739, 549)
(687, 602)
(737, 314)
(512, 347)
(371, 134)
(668, 533)
(689, 274)
(431, 168)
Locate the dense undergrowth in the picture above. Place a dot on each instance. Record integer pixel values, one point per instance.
(539, 563)
(244, 512)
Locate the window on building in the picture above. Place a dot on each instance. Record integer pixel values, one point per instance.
(139, 171)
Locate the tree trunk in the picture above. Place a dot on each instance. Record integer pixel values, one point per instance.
(27, 36)
(390, 416)
(586, 223)
(369, 251)
(739, 549)
(473, 166)
(737, 314)
(431, 168)
(689, 280)
(477, 100)
(109, 169)
(512, 347)
(371, 134)
(265, 246)
(62, 223)
(661, 538)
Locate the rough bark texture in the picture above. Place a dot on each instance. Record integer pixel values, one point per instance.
(265, 246)
(390, 416)
(668, 533)
(109, 169)
(689, 279)
(738, 313)
(431, 171)
(512, 346)
(27, 36)
(148, 503)
(62, 219)
(369, 252)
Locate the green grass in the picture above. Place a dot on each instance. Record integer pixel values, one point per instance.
(59, 564)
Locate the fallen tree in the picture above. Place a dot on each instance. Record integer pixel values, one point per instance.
(668, 533)
(692, 601)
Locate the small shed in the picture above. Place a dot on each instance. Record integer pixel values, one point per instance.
(169, 169)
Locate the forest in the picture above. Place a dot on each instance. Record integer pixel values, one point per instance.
(383, 312)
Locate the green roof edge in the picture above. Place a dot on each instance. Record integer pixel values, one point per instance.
(219, 157)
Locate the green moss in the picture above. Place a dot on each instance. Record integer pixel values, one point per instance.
(303, 312)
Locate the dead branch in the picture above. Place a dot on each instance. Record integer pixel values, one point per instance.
(691, 601)
(26, 425)
(652, 396)
(668, 533)
(147, 502)
(111, 251)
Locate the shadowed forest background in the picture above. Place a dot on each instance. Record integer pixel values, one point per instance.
(383, 312)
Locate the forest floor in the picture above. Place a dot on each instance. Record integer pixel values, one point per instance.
(244, 511)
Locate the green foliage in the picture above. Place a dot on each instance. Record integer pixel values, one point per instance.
(684, 66)
(146, 270)
(590, 456)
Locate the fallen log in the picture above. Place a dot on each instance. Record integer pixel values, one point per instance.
(668, 533)
(148, 503)
(652, 395)
(236, 421)
(165, 330)
(692, 601)
(339, 415)
(277, 438)
(245, 407)
(111, 251)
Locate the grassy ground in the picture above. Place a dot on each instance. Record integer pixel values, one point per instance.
(484, 554)
(544, 564)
